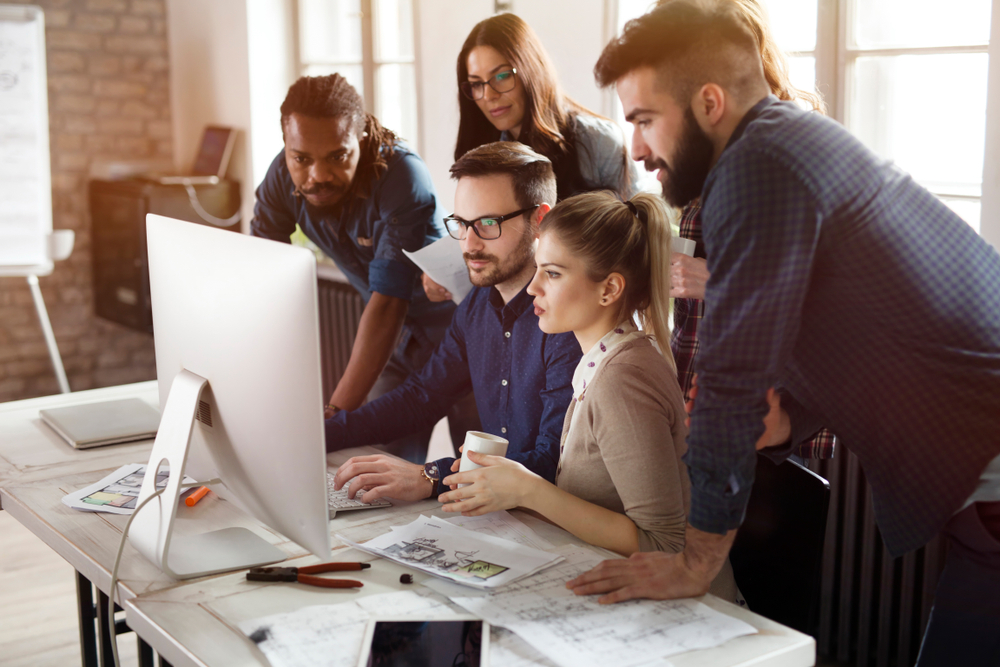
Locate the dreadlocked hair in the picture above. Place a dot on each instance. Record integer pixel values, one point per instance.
(332, 96)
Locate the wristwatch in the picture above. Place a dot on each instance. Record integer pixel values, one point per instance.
(432, 475)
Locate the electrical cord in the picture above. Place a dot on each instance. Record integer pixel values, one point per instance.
(114, 570)
(205, 215)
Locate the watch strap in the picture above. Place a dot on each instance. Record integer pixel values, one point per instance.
(432, 473)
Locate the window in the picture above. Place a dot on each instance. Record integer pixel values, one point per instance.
(371, 44)
(907, 77)
(915, 91)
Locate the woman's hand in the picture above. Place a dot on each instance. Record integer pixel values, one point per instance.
(434, 291)
(499, 485)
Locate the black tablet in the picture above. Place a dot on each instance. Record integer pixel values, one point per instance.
(426, 643)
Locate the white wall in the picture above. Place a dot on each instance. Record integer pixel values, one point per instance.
(210, 81)
(442, 26)
(990, 220)
(273, 64)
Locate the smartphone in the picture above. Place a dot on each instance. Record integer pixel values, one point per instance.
(460, 642)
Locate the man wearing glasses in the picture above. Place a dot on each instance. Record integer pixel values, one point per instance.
(520, 376)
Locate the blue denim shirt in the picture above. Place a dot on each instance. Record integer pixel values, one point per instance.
(522, 380)
(366, 237)
(867, 301)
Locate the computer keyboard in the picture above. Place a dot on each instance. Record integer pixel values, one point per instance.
(338, 501)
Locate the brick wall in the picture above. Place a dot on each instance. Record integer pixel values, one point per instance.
(108, 101)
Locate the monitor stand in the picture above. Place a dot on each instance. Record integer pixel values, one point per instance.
(187, 556)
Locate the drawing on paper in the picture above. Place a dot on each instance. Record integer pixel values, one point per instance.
(425, 550)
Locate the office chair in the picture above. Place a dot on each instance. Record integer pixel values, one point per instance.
(778, 550)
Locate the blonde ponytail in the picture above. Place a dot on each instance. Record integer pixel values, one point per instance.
(655, 318)
(631, 238)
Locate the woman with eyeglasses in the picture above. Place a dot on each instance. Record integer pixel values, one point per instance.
(620, 483)
(508, 91)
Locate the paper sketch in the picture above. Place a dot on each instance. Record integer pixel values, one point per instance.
(442, 261)
(425, 550)
(437, 547)
(576, 631)
(118, 492)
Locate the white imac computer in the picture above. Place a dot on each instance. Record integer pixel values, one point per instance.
(238, 363)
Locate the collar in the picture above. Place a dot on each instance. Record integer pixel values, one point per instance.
(515, 306)
(748, 118)
(593, 359)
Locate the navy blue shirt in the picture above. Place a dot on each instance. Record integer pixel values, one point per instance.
(869, 303)
(365, 237)
(522, 380)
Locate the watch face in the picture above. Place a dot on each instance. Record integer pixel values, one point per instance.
(432, 470)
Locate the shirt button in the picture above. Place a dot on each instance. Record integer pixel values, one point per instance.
(503, 429)
(503, 382)
(506, 334)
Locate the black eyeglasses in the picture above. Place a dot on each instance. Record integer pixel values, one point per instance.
(487, 228)
(502, 82)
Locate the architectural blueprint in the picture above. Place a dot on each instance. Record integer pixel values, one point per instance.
(576, 631)
(501, 524)
(458, 554)
(331, 635)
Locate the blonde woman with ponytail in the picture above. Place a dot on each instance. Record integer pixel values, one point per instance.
(601, 265)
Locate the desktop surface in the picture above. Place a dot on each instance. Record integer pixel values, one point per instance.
(194, 622)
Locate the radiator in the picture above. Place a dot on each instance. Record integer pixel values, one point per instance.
(873, 608)
(340, 309)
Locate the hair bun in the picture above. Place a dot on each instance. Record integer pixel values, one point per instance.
(637, 212)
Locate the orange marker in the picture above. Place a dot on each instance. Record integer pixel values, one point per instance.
(193, 499)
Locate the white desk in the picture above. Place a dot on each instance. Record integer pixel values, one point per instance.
(194, 622)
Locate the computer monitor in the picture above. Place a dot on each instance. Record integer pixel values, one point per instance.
(236, 334)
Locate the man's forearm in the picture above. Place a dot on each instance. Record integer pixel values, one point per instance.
(706, 553)
(378, 331)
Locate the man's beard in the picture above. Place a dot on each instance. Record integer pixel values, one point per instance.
(322, 189)
(691, 163)
(499, 273)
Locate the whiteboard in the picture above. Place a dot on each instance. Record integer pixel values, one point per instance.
(25, 176)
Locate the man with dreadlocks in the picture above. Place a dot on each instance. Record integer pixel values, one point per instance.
(362, 196)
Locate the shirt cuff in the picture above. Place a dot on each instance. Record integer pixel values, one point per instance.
(444, 467)
(392, 278)
(717, 507)
(335, 429)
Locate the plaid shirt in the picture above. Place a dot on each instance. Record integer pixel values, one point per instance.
(684, 338)
(868, 302)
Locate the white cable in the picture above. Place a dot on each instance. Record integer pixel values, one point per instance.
(114, 570)
(205, 215)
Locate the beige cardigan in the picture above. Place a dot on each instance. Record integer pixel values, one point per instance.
(624, 451)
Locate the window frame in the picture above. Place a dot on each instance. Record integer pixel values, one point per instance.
(835, 58)
(370, 62)
(837, 55)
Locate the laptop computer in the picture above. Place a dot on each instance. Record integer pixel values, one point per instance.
(107, 423)
(211, 163)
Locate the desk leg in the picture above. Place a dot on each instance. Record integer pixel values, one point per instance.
(106, 633)
(145, 653)
(85, 609)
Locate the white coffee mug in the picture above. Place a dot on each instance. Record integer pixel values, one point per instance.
(484, 443)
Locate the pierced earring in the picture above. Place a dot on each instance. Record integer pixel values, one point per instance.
(604, 300)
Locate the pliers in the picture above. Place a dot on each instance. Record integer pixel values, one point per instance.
(303, 574)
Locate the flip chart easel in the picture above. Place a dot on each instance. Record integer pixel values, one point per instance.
(28, 245)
